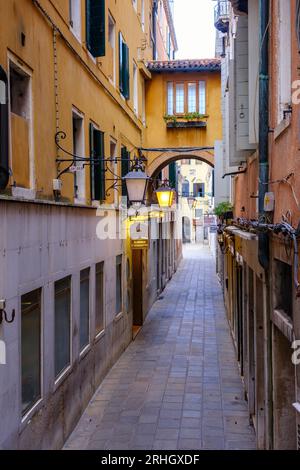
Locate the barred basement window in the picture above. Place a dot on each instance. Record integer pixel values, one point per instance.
(99, 289)
(118, 284)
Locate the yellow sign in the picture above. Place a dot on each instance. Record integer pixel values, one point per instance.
(140, 244)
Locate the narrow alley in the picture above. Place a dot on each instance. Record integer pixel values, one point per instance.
(177, 386)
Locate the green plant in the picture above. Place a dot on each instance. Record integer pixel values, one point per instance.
(170, 118)
(222, 208)
(194, 116)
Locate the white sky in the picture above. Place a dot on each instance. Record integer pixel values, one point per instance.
(194, 24)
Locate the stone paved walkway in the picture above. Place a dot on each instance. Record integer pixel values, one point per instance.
(177, 386)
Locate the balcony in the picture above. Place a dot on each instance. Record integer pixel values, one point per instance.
(222, 16)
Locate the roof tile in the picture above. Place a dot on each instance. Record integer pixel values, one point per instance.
(196, 65)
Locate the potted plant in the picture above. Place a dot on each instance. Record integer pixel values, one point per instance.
(224, 211)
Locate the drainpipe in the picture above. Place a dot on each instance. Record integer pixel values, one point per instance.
(263, 242)
(4, 164)
(154, 19)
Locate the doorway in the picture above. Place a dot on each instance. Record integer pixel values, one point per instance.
(137, 278)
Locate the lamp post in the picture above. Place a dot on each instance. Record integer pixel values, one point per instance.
(165, 195)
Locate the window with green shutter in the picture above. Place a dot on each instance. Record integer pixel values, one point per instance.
(124, 68)
(125, 167)
(97, 168)
(172, 175)
(95, 27)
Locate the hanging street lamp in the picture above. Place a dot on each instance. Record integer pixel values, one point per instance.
(136, 183)
(165, 195)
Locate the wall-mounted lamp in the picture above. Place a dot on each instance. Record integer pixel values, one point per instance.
(3, 314)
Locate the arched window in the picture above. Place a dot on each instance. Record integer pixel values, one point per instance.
(185, 188)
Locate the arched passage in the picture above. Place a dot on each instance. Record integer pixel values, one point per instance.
(156, 164)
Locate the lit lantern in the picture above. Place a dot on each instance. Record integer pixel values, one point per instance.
(165, 196)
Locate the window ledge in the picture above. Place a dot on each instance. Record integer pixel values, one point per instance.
(187, 124)
(84, 352)
(99, 336)
(118, 317)
(282, 126)
(62, 377)
(284, 324)
(26, 419)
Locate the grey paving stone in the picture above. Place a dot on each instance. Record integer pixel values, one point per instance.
(177, 386)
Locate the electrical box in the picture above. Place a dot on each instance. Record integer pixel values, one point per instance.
(57, 185)
(269, 203)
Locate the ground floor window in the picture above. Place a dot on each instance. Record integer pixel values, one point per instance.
(84, 308)
(31, 349)
(99, 313)
(62, 329)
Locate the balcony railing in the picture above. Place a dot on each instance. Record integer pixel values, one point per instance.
(222, 16)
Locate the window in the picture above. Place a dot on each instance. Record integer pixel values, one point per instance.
(118, 284)
(123, 68)
(20, 125)
(78, 149)
(84, 308)
(283, 277)
(99, 289)
(31, 349)
(112, 49)
(170, 98)
(95, 27)
(202, 97)
(179, 98)
(135, 89)
(198, 190)
(114, 165)
(185, 188)
(190, 97)
(62, 325)
(75, 17)
(97, 168)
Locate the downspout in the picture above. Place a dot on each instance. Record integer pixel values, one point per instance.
(4, 147)
(154, 12)
(263, 240)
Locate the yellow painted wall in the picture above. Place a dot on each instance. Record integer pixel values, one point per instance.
(82, 82)
(158, 135)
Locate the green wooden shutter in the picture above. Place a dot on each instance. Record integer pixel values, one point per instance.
(95, 27)
(126, 89)
(125, 168)
(120, 63)
(172, 175)
(97, 169)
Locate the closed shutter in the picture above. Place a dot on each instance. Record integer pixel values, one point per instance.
(172, 175)
(125, 168)
(97, 169)
(123, 68)
(126, 90)
(95, 27)
(120, 63)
